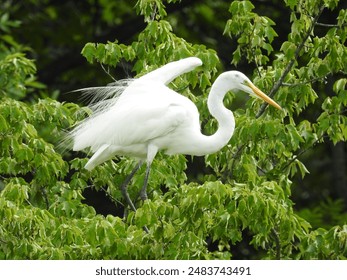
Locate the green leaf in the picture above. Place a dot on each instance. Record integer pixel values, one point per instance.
(3, 125)
(340, 85)
(291, 3)
(24, 154)
(89, 51)
(323, 70)
(288, 48)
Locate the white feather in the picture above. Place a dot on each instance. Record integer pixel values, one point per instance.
(142, 116)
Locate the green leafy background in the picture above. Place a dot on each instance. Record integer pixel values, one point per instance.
(276, 191)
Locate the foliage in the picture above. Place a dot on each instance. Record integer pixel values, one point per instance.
(245, 191)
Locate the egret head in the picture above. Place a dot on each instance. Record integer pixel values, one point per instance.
(239, 81)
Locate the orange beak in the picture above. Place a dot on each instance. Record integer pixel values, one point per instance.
(263, 96)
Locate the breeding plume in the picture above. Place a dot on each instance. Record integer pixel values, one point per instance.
(143, 116)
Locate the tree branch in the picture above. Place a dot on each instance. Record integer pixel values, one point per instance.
(279, 82)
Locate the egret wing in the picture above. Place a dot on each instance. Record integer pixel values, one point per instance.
(146, 109)
(172, 70)
(135, 118)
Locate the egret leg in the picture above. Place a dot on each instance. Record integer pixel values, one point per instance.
(124, 190)
(124, 187)
(151, 152)
(143, 191)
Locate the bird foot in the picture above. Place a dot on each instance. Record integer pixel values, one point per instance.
(143, 195)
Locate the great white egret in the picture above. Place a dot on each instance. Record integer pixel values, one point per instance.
(147, 116)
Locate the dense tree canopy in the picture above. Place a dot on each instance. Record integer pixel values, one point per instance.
(278, 190)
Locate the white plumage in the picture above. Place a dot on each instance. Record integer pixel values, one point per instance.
(147, 116)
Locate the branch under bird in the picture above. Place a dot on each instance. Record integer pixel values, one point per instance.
(140, 117)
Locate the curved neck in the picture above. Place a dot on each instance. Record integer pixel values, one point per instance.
(224, 117)
(199, 144)
(204, 144)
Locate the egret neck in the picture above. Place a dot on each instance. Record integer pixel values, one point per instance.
(224, 117)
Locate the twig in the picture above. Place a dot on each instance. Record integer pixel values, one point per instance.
(154, 11)
(253, 53)
(330, 25)
(278, 244)
(304, 82)
(45, 197)
(3, 241)
(110, 196)
(279, 82)
(107, 72)
(226, 174)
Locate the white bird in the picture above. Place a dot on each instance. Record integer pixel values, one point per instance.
(147, 116)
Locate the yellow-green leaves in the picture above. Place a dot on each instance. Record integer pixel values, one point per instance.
(254, 33)
(151, 9)
(109, 53)
(240, 197)
(15, 70)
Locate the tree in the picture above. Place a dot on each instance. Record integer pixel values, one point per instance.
(241, 198)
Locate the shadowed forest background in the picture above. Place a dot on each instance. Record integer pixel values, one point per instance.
(53, 34)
